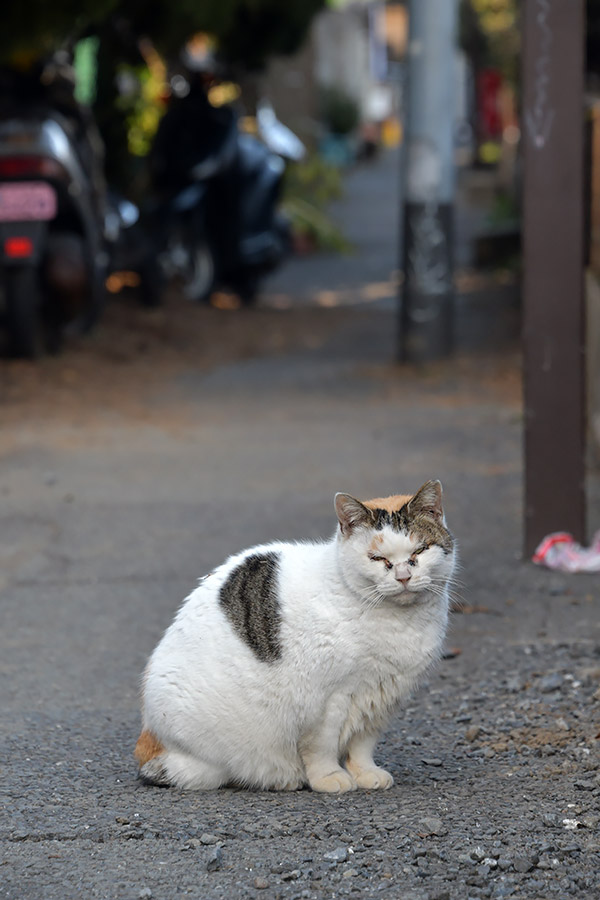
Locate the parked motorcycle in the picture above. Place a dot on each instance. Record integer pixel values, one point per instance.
(53, 247)
(220, 217)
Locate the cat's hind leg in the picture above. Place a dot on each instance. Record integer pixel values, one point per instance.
(177, 769)
(362, 767)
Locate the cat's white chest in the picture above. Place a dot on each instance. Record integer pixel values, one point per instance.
(397, 643)
(364, 662)
(396, 654)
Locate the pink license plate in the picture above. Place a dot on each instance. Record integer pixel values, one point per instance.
(27, 201)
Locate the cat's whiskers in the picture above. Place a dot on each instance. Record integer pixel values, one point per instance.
(371, 598)
(455, 583)
(446, 590)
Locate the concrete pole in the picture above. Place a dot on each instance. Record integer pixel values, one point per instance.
(429, 177)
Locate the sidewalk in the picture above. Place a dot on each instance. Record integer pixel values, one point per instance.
(369, 214)
(125, 477)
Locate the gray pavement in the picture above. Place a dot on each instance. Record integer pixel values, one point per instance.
(368, 275)
(368, 215)
(116, 498)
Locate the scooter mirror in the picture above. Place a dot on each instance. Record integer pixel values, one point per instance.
(277, 136)
(128, 213)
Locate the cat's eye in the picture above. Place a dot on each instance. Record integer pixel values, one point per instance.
(412, 561)
(382, 559)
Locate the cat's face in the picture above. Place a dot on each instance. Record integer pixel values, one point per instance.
(397, 547)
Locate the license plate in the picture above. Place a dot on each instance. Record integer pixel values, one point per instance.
(27, 201)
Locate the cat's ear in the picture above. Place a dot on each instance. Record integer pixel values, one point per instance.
(428, 501)
(351, 513)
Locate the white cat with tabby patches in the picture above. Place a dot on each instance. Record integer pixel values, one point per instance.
(282, 668)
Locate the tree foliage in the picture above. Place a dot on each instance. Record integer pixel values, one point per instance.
(43, 25)
(247, 30)
(261, 28)
(489, 34)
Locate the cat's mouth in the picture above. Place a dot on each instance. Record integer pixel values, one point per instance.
(411, 588)
(410, 595)
(405, 595)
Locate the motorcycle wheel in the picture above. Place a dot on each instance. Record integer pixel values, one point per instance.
(199, 274)
(23, 312)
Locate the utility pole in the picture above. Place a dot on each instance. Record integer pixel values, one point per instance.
(427, 294)
(553, 257)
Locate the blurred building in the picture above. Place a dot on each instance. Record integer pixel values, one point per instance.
(355, 50)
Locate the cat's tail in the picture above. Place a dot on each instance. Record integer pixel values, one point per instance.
(167, 767)
(150, 753)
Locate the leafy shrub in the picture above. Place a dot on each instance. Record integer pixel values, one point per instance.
(338, 111)
(308, 188)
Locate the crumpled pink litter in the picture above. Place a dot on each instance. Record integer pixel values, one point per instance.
(561, 551)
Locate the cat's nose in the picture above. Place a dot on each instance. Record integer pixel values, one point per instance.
(402, 574)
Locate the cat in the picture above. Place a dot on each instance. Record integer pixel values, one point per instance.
(284, 665)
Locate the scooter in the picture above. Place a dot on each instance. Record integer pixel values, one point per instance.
(53, 246)
(223, 227)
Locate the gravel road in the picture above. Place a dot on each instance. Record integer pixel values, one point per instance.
(147, 470)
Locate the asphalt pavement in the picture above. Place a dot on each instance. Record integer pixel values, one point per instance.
(120, 494)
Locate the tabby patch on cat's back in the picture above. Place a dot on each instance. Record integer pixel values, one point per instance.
(250, 600)
(282, 667)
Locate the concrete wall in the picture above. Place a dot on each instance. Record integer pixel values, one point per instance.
(337, 53)
(341, 40)
(289, 83)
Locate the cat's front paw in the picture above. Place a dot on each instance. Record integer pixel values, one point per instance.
(373, 779)
(338, 782)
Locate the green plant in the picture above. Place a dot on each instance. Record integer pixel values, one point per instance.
(313, 179)
(338, 111)
(308, 188)
(504, 210)
(313, 224)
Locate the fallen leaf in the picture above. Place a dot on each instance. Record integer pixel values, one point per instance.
(472, 610)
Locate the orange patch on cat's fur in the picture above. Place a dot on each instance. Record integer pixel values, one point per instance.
(391, 504)
(147, 747)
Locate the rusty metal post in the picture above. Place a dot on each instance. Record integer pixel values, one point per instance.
(553, 218)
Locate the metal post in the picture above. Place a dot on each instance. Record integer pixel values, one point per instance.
(553, 327)
(429, 175)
